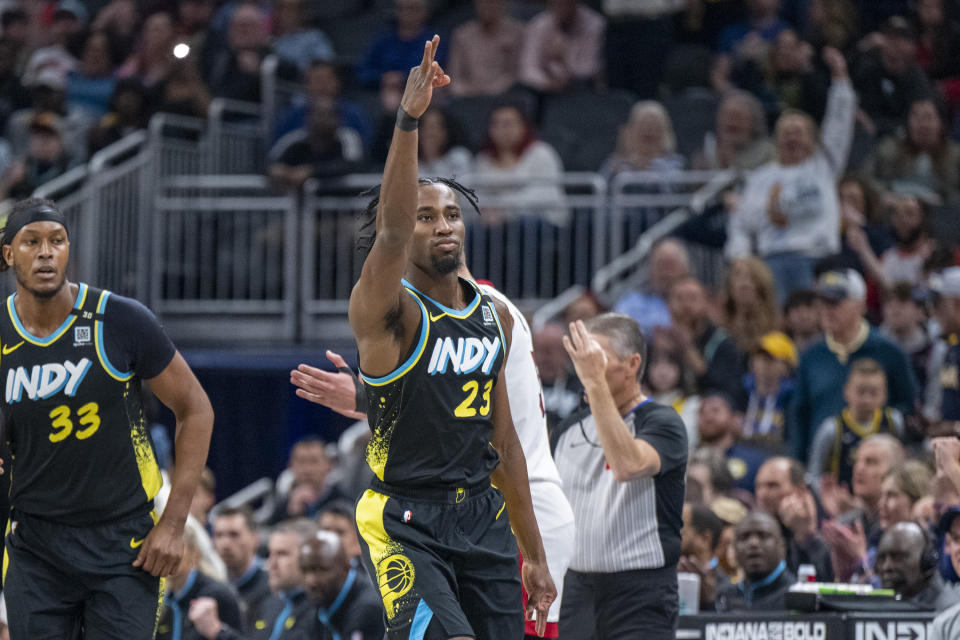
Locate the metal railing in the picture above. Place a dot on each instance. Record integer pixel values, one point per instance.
(224, 258)
(236, 137)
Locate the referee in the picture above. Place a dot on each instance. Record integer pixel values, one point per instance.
(623, 469)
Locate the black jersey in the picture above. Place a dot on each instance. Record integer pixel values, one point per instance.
(73, 413)
(431, 417)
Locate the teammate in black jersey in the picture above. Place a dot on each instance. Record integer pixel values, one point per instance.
(437, 536)
(85, 549)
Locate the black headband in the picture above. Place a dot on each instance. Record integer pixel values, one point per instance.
(38, 213)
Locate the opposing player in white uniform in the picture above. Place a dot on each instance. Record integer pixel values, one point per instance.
(553, 512)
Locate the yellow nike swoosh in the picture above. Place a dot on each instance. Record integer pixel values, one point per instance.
(136, 543)
(8, 349)
(434, 318)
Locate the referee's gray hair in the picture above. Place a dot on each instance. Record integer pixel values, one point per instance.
(625, 334)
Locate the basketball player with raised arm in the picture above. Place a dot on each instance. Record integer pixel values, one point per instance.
(432, 346)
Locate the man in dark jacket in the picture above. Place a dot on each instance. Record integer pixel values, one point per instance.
(761, 553)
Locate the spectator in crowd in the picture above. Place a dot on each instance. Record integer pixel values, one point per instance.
(669, 263)
(938, 43)
(323, 81)
(58, 55)
(562, 391)
(866, 414)
(401, 46)
(322, 150)
(941, 399)
(562, 47)
(902, 488)
(13, 95)
(709, 469)
(122, 17)
(947, 624)
(294, 41)
(904, 322)
(921, 158)
(48, 94)
(824, 366)
(862, 221)
(204, 498)
(761, 552)
(700, 537)
(151, 62)
(184, 92)
(739, 140)
(441, 149)
(667, 382)
(639, 30)
(235, 538)
(912, 245)
(309, 466)
(338, 517)
(801, 319)
(193, 22)
(719, 428)
(646, 142)
(484, 51)
(347, 605)
(619, 585)
(289, 613)
(585, 306)
(711, 356)
(831, 23)
(197, 605)
(46, 158)
(907, 563)
(769, 387)
(854, 533)
(91, 85)
(233, 71)
(790, 206)
(531, 167)
(763, 24)
(128, 112)
(747, 304)
(782, 492)
(888, 79)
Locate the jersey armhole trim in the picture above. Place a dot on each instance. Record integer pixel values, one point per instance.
(53, 337)
(400, 371)
(112, 371)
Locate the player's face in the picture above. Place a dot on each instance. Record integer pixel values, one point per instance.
(437, 243)
(283, 562)
(38, 255)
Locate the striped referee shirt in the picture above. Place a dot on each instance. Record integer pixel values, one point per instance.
(623, 526)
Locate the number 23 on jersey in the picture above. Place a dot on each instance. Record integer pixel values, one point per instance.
(466, 409)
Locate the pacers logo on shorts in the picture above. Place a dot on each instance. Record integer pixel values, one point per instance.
(396, 579)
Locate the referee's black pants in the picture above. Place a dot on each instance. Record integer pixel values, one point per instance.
(624, 605)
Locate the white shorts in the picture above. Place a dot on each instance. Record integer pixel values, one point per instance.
(555, 519)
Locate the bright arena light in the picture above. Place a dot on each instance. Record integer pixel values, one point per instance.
(181, 51)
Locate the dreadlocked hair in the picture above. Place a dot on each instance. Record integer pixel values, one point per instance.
(367, 219)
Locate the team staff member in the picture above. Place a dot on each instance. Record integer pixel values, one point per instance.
(431, 520)
(623, 469)
(84, 545)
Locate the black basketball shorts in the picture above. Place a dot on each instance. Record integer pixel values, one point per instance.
(446, 562)
(58, 578)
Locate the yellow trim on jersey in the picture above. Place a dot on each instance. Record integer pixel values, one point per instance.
(6, 554)
(62, 329)
(414, 358)
(113, 372)
(150, 478)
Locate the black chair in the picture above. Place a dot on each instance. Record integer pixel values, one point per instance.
(583, 126)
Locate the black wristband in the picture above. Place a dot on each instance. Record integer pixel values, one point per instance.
(361, 393)
(406, 122)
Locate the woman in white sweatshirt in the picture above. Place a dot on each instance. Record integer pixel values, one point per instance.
(789, 214)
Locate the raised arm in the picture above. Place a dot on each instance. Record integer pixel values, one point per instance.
(376, 296)
(836, 131)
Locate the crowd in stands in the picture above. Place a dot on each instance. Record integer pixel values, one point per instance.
(819, 385)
